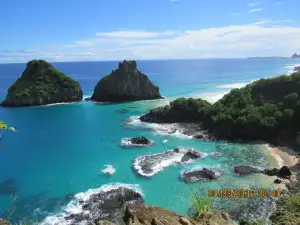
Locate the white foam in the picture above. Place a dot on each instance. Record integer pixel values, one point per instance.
(211, 97)
(164, 141)
(162, 163)
(126, 142)
(233, 85)
(291, 68)
(75, 207)
(109, 170)
(161, 129)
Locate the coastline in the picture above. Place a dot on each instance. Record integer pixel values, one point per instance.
(282, 158)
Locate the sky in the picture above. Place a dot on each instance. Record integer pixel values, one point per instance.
(88, 30)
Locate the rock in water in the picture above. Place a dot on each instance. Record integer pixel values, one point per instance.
(140, 141)
(126, 83)
(202, 174)
(245, 170)
(42, 84)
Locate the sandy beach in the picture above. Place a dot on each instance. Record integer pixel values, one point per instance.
(280, 158)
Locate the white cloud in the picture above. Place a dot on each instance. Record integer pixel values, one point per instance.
(255, 10)
(262, 38)
(252, 4)
(277, 3)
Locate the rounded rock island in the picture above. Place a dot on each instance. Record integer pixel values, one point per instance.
(42, 84)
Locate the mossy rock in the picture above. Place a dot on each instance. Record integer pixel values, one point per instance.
(42, 84)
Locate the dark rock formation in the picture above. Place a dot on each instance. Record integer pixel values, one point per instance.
(201, 174)
(295, 56)
(283, 172)
(108, 205)
(42, 84)
(149, 165)
(245, 170)
(126, 83)
(190, 155)
(140, 141)
(277, 181)
(297, 69)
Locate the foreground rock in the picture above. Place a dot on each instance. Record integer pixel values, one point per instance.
(147, 215)
(105, 205)
(126, 83)
(4, 222)
(201, 175)
(283, 172)
(149, 165)
(42, 84)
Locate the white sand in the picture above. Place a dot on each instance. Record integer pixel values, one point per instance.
(282, 158)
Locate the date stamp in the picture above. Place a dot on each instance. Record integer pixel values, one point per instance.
(243, 193)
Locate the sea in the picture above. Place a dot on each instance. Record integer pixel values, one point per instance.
(63, 151)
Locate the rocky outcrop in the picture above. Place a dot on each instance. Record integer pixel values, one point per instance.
(149, 165)
(4, 222)
(283, 172)
(147, 215)
(295, 56)
(201, 175)
(140, 141)
(126, 83)
(245, 170)
(42, 84)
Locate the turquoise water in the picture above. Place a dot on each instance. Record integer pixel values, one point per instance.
(61, 149)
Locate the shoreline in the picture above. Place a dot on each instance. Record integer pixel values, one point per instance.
(282, 158)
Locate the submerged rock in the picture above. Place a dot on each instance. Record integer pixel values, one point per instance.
(201, 174)
(149, 165)
(126, 83)
(245, 170)
(42, 84)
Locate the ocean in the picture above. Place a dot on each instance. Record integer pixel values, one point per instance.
(61, 150)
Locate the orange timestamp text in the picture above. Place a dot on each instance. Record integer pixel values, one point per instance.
(243, 193)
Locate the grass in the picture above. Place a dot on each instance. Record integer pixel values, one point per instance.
(288, 211)
(200, 205)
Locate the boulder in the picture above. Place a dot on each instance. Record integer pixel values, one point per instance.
(201, 174)
(42, 84)
(190, 155)
(140, 141)
(245, 170)
(277, 181)
(283, 172)
(126, 83)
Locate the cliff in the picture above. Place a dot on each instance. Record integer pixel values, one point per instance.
(42, 84)
(267, 109)
(126, 83)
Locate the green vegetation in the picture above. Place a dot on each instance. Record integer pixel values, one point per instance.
(261, 110)
(4, 128)
(200, 205)
(40, 80)
(288, 211)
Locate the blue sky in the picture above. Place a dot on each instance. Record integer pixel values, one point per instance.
(147, 29)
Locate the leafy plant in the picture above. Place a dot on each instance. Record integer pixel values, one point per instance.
(288, 211)
(4, 128)
(201, 205)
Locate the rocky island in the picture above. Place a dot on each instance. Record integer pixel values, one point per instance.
(295, 56)
(42, 84)
(126, 83)
(267, 109)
